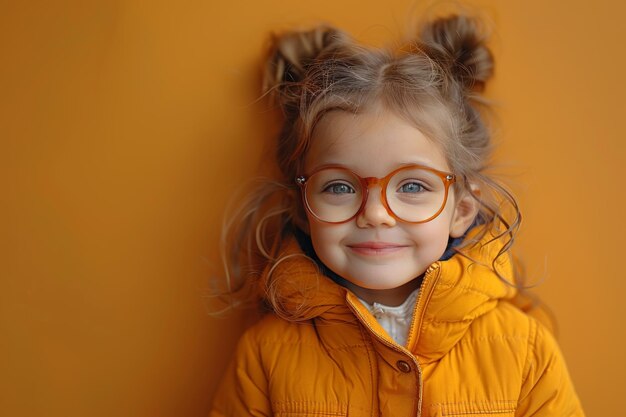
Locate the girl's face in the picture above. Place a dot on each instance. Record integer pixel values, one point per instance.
(379, 256)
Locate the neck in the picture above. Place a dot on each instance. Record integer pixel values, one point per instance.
(390, 297)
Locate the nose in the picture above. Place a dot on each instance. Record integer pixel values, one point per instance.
(374, 213)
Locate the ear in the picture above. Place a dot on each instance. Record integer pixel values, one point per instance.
(465, 211)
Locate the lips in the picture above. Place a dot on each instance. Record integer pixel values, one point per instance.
(376, 248)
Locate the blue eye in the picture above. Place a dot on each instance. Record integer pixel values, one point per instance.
(412, 187)
(339, 188)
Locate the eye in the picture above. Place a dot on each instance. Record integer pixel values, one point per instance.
(412, 187)
(339, 188)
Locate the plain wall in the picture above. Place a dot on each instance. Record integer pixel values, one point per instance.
(125, 126)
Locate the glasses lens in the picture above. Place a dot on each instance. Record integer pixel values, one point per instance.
(415, 194)
(334, 195)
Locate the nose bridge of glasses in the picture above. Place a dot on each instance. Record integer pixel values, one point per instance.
(370, 183)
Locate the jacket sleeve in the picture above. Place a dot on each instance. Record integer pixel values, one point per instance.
(547, 389)
(243, 391)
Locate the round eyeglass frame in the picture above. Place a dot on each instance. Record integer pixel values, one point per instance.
(367, 182)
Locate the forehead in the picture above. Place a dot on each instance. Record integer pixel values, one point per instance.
(371, 143)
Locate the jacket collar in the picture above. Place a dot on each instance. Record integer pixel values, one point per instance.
(453, 294)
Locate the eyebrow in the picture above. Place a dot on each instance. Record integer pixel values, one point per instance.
(417, 162)
(400, 165)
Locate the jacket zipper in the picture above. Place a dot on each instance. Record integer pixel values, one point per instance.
(425, 285)
(401, 349)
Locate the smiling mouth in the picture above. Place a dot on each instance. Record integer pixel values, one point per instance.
(376, 248)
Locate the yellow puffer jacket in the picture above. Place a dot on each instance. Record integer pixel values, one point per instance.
(470, 352)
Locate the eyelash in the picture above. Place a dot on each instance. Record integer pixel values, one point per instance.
(330, 186)
(421, 186)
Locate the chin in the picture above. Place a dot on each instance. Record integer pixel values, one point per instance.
(381, 282)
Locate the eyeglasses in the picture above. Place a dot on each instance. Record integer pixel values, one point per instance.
(412, 194)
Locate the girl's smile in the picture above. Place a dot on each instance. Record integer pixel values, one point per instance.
(376, 248)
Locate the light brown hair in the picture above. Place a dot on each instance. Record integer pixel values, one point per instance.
(434, 81)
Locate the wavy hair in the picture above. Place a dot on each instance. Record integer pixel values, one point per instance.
(433, 80)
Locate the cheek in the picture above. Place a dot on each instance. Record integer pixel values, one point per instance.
(433, 235)
(323, 235)
(327, 242)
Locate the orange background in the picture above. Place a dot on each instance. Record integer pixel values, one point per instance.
(124, 126)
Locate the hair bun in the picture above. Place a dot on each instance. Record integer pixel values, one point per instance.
(290, 54)
(459, 44)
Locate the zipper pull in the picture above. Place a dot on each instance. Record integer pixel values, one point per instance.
(378, 311)
(432, 267)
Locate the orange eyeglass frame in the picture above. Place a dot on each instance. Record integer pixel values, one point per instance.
(447, 178)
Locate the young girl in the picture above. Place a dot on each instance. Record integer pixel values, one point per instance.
(383, 251)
